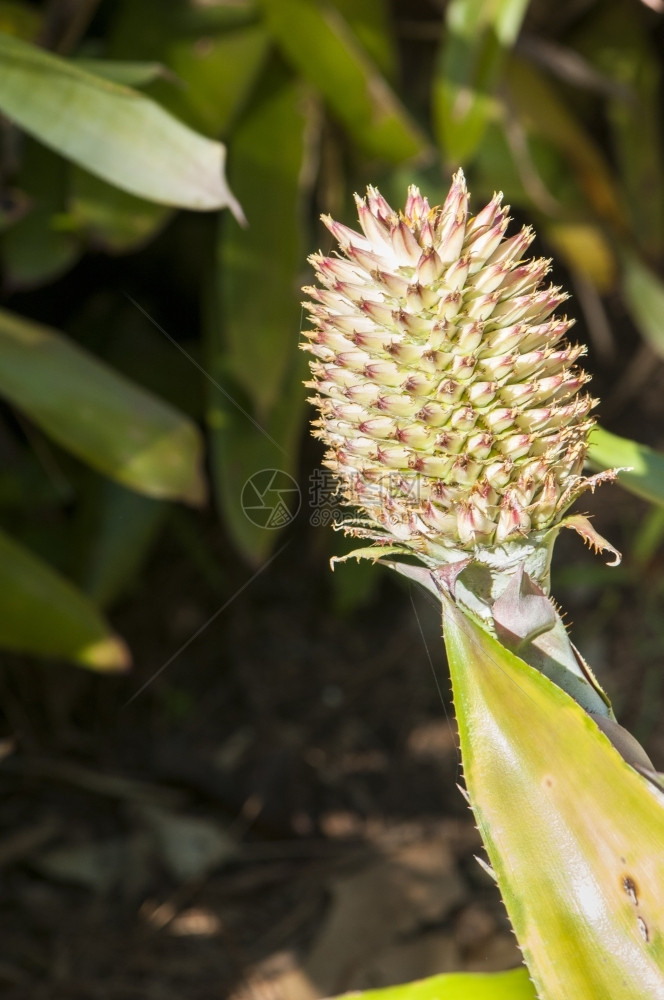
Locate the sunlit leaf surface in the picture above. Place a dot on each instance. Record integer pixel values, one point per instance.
(512, 985)
(110, 130)
(573, 833)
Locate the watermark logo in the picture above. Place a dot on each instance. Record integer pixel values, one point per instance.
(324, 498)
(271, 498)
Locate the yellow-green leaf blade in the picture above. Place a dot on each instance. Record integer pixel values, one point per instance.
(104, 419)
(643, 467)
(111, 130)
(512, 985)
(42, 613)
(319, 43)
(573, 833)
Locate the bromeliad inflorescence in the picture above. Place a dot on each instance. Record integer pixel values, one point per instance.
(457, 423)
(449, 398)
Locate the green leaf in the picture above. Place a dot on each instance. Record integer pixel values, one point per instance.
(259, 267)
(318, 42)
(215, 60)
(239, 450)
(253, 329)
(647, 541)
(644, 294)
(43, 614)
(218, 75)
(644, 468)
(106, 420)
(139, 28)
(34, 249)
(112, 131)
(122, 528)
(370, 22)
(471, 59)
(573, 833)
(512, 985)
(109, 217)
(129, 72)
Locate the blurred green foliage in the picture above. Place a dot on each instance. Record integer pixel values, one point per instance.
(117, 117)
